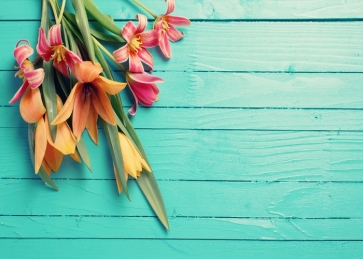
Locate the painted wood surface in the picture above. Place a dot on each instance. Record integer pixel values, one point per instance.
(256, 142)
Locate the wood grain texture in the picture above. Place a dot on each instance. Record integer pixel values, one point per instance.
(212, 9)
(260, 46)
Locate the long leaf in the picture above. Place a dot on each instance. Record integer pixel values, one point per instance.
(82, 22)
(49, 95)
(82, 150)
(105, 20)
(106, 37)
(45, 16)
(147, 181)
(42, 174)
(115, 149)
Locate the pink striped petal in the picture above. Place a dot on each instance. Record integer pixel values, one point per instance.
(71, 59)
(128, 31)
(171, 6)
(142, 23)
(19, 93)
(177, 20)
(146, 57)
(43, 47)
(149, 39)
(35, 77)
(22, 52)
(174, 34)
(61, 67)
(121, 54)
(144, 78)
(135, 63)
(55, 35)
(165, 46)
(144, 93)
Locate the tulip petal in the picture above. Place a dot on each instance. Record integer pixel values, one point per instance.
(22, 52)
(121, 54)
(165, 46)
(43, 47)
(171, 6)
(46, 167)
(19, 93)
(146, 57)
(142, 23)
(144, 93)
(174, 34)
(149, 39)
(53, 157)
(102, 105)
(71, 59)
(177, 20)
(135, 64)
(87, 71)
(55, 35)
(138, 156)
(40, 140)
(35, 77)
(67, 109)
(64, 140)
(109, 86)
(128, 31)
(61, 66)
(92, 124)
(144, 78)
(128, 156)
(80, 112)
(76, 157)
(31, 105)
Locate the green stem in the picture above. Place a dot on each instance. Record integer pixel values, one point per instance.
(145, 8)
(62, 10)
(108, 54)
(52, 4)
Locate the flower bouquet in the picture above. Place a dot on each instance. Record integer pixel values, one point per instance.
(69, 87)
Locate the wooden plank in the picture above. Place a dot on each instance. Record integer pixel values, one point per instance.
(98, 248)
(334, 90)
(228, 119)
(263, 46)
(181, 228)
(246, 156)
(185, 198)
(210, 9)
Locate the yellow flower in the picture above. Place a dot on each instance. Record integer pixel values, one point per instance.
(133, 162)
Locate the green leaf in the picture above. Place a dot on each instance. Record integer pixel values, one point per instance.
(115, 149)
(45, 16)
(106, 37)
(82, 22)
(49, 95)
(42, 174)
(82, 150)
(105, 20)
(147, 181)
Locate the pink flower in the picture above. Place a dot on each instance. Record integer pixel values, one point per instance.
(137, 40)
(164, 26)
(56, 50)
(31, 77)
(143, 88)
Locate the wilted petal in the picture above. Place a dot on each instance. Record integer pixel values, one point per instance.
(19, 93)
(102, 105)
(81, 109)
(142, 23)
(55, 35)
(22, 52)
(35, 77)
(109, 86)
(40, 140)
(174, 34)
(149, 39)
(165, 46)
(121, 54)
(61, 67)
(128, 31)
(135, 64)
(67, 109)
(171, 6)
(87, 71)
(71, 59)
(146, 57)
(43, 48)
(144, 78)
(92, 124)
(31, 105)
(177, 20)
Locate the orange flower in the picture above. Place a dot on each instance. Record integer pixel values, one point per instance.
(49, 154)
(88, 99)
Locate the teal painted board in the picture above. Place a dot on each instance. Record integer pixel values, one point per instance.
(256, 142)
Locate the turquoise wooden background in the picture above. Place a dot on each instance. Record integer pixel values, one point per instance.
(256, 142)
